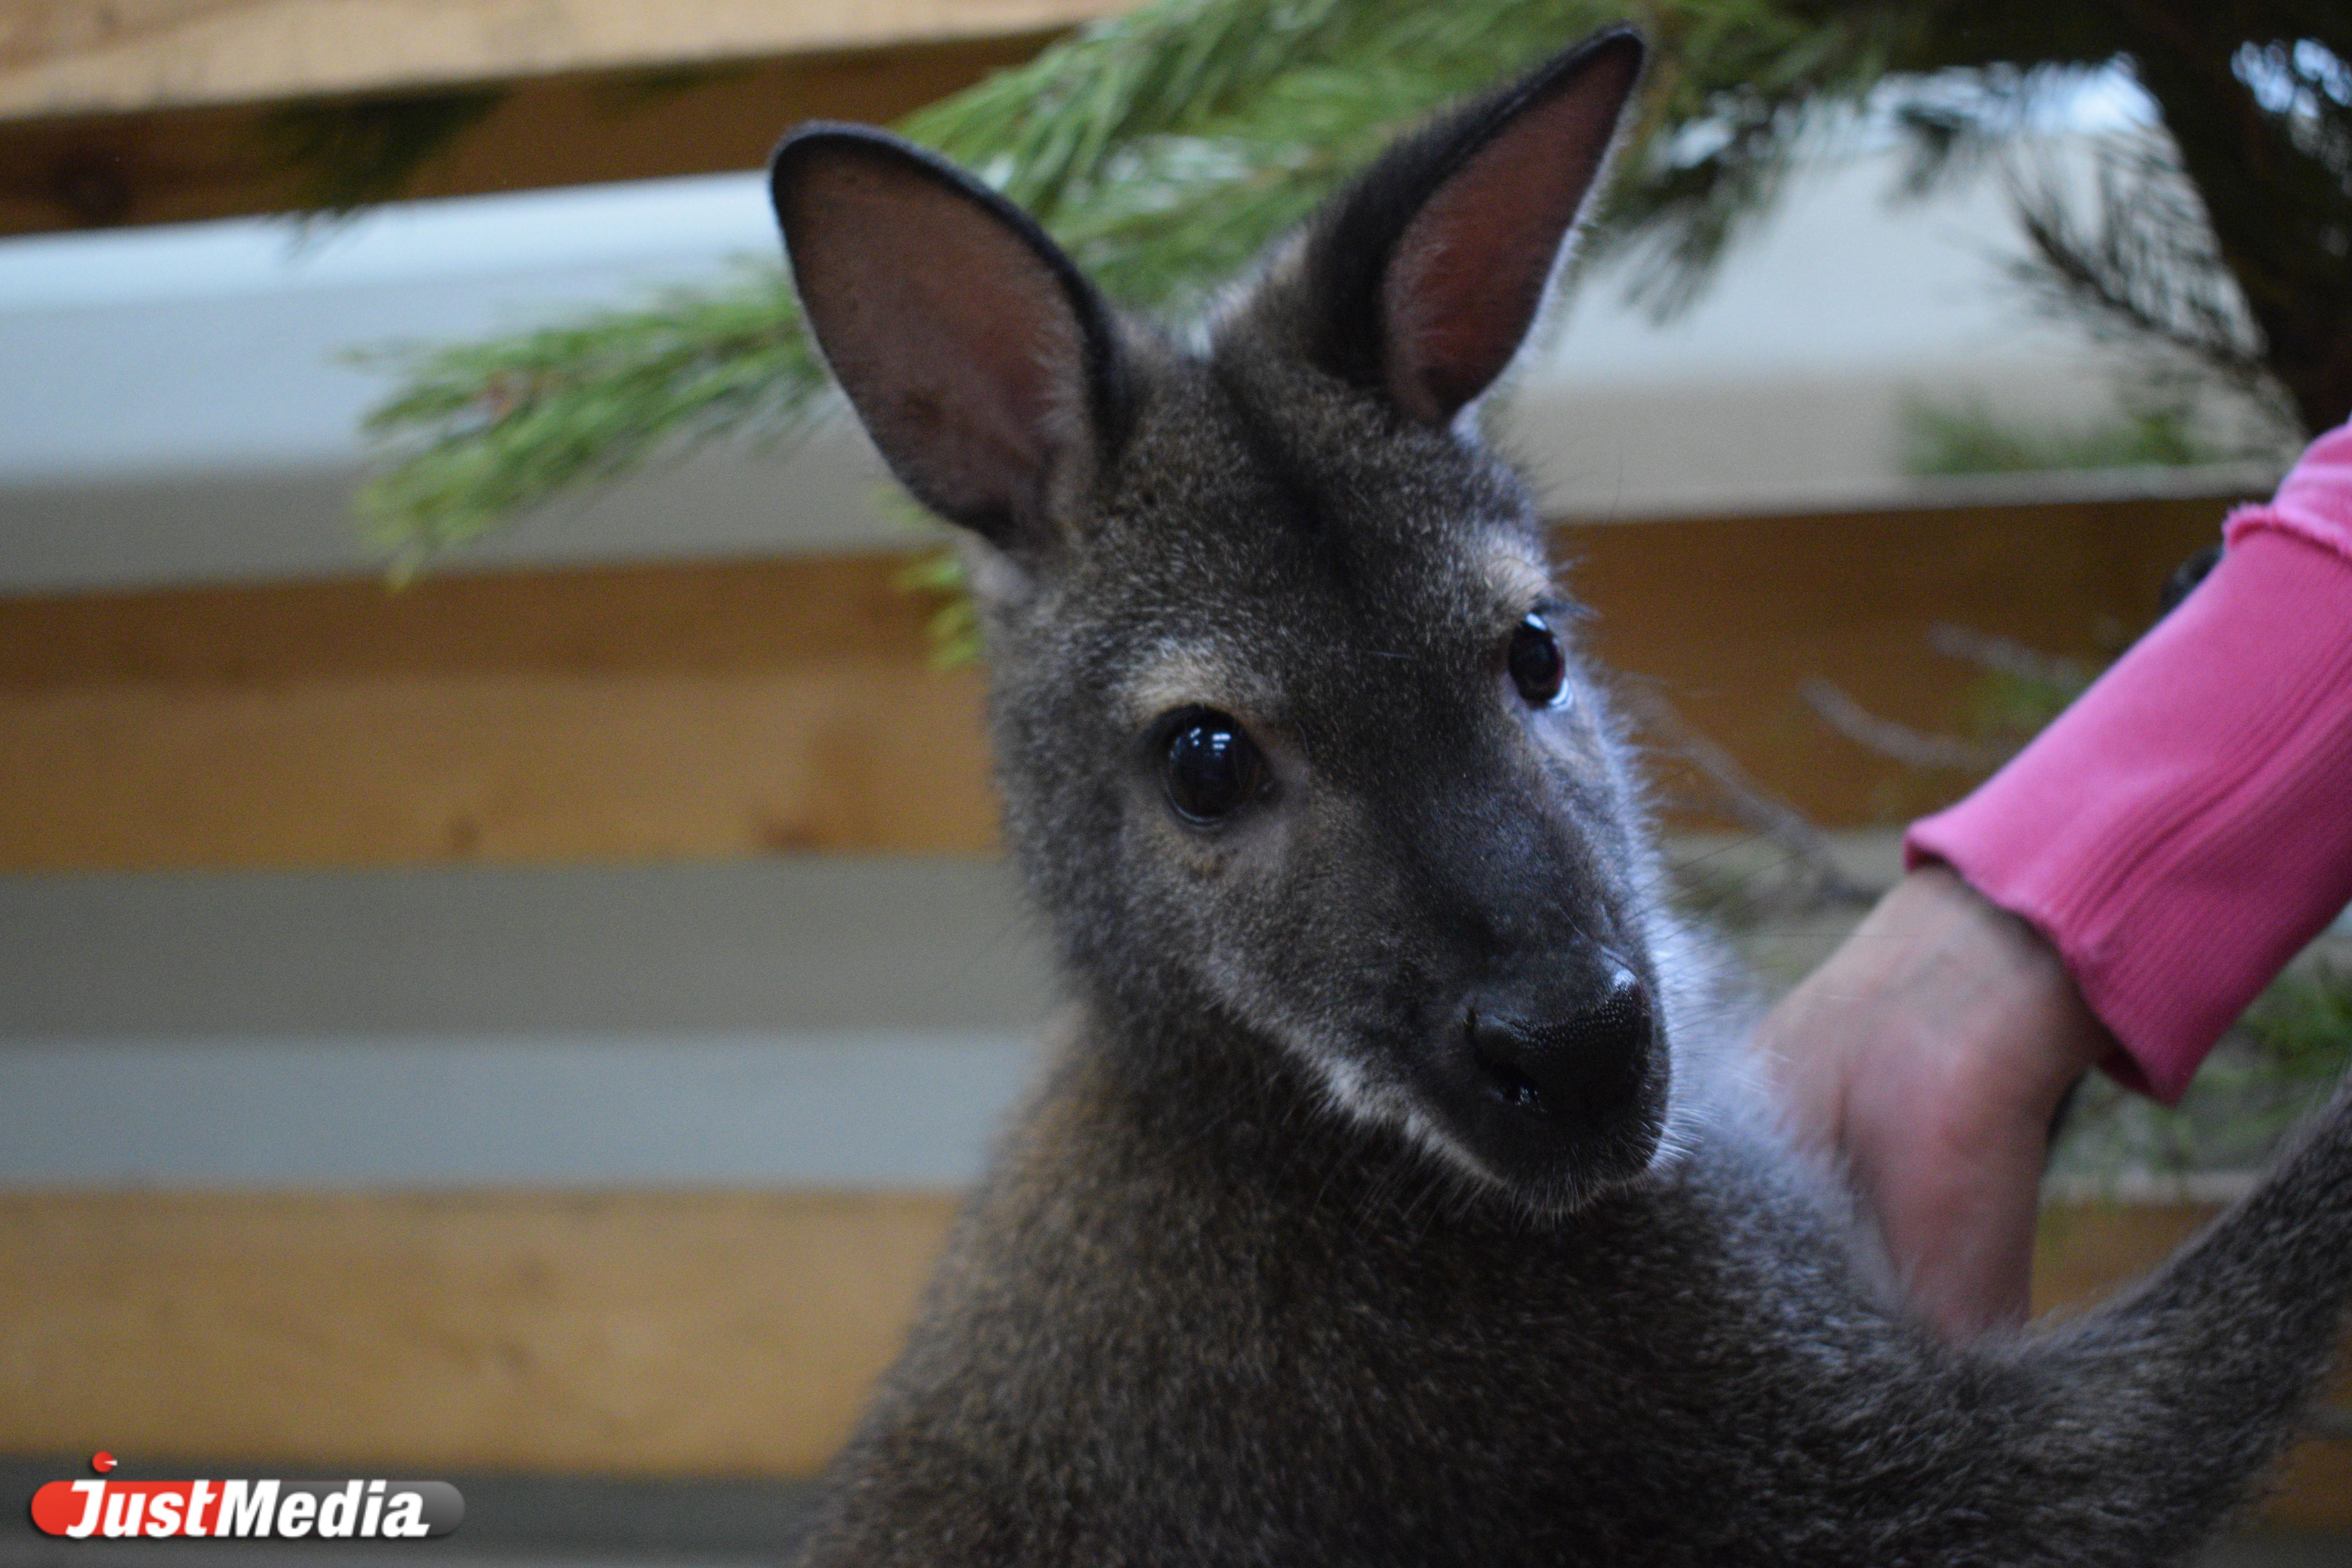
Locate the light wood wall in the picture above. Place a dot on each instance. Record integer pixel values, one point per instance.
(705, 711)
(744, 708)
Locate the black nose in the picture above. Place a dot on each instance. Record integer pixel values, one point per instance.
(1582, 1067)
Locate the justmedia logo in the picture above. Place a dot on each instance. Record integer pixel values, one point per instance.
(359, 1510)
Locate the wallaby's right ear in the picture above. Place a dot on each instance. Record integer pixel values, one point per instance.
(1421, 280)
(985, 368)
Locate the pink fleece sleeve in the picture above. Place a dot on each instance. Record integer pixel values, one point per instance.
(2186, 827)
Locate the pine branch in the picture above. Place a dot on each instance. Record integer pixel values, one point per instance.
(2142, 267)
(1914, 749)
(1164, 147)
(508, 423)
(346, 156)
(1819, 879)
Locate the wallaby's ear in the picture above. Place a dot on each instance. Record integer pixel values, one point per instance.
(1423, 277)
(985, 368)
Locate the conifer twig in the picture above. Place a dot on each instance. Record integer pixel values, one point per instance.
(1163, 147)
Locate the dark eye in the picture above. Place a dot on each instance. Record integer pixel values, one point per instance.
(1538, 667)
(1211, 768)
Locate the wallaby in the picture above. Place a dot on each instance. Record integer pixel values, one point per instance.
(1401, 1191)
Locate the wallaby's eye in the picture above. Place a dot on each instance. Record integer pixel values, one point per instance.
(1211, 768)
(1538, 667)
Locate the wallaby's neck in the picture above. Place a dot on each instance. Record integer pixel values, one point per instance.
(1187, 1077)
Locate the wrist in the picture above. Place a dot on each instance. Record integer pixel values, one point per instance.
(1931, 1051)
(1947, 1104)
(1984, 996)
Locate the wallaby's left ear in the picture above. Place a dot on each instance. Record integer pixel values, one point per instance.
(1422, 279)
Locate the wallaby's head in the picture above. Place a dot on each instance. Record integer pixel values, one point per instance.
(1292, 730)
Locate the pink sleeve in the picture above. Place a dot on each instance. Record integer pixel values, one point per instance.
(2186, 827)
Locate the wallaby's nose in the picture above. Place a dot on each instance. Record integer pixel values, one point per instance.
(1580, 1068)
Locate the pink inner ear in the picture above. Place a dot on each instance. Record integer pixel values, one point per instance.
(1469, 272)
(953, 340)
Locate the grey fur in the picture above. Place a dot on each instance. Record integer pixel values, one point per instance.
(1240, 1287)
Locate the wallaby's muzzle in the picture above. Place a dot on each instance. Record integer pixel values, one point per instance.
(1554, 1083)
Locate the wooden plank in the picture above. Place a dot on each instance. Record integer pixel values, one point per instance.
(708, 618)
(1728, 619)
(730, 710)
(847, 756)
(177, 165)
(82, 56)
(632, 1334)
(616, 715)
(679, 1335)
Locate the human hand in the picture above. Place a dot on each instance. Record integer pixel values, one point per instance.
(1931, 1050)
